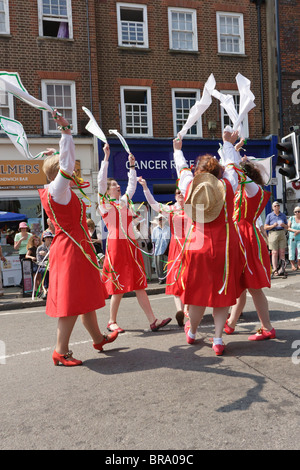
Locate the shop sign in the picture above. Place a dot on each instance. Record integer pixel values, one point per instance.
(18, 174)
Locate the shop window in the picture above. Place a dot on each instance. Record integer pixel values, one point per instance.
(4, 17)
(136, 111)
(182, 102)
(55, 18)
(59, 94)
(132, 25)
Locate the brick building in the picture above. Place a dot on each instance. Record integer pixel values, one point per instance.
(139, 66)
(153, 60)
(50, 45)
(289, 66)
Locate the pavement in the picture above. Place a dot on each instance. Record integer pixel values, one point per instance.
(13, 296)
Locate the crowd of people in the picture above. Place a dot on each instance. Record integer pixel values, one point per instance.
(217, 209)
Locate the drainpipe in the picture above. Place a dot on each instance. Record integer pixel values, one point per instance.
(279, 67)
(89, 54)
(258, 8)
(280, 95)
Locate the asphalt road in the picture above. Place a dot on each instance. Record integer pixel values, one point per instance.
(151, 390)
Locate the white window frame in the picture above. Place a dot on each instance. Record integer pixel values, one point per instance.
(133, 6)
(10, 107)
(149, 111)
(240, 17)
(46, 115)
(198, 123)
(245, 121)
(55, 18)
(6, 17)
(194, 28)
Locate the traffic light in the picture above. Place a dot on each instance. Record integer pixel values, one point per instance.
(290, 158)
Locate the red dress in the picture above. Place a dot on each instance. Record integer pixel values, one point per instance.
(123, 268)
(75, 285)
(257, 272)
(179, 225)
(211, 274)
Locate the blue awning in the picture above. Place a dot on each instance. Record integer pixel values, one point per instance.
(11, 217)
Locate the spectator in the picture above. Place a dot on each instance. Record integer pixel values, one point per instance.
(42, 256)
(143, 243)
(95, 236)
(33, 243)
(275, 225)
(21, 240)
(51, 227)
(294, 238)
(161, 238)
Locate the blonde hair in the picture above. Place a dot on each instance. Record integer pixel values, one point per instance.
(30, 243)
(90, 223)
(51, 167)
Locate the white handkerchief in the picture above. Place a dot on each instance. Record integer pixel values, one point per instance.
(122, 140)
(93, 127)
(15, 131)
(199, 107)
(11, 83)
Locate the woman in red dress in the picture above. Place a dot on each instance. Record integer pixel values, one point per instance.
(123, 268)
(179, 225)
(211, 266)
(250, 200)
(75, 286)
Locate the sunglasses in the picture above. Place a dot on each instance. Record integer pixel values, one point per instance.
(296, 212)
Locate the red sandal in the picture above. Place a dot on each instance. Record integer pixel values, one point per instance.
(118, 329)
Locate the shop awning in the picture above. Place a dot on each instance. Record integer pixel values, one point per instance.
(11, 217)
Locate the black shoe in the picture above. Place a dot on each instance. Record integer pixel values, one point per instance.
(180, 317)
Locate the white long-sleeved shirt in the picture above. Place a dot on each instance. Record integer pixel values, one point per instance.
(102, 186)
(59, 188)
(230, 155)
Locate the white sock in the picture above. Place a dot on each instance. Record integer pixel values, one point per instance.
(218, 341)
(191, 335)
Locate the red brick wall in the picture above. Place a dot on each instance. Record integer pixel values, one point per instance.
(289, 19)
(35, 58)
(167, 67)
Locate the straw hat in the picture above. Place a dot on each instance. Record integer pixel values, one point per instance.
(205, 198)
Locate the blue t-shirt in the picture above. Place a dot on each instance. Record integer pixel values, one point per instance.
(279, 219)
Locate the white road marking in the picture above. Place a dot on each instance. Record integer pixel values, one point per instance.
(201, 327)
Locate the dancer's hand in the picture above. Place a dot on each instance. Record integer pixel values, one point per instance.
(131, 160)
(177, 143)
(61, 121)
(142, 182)
(230, 136)
(106, 151)
(239, 145)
